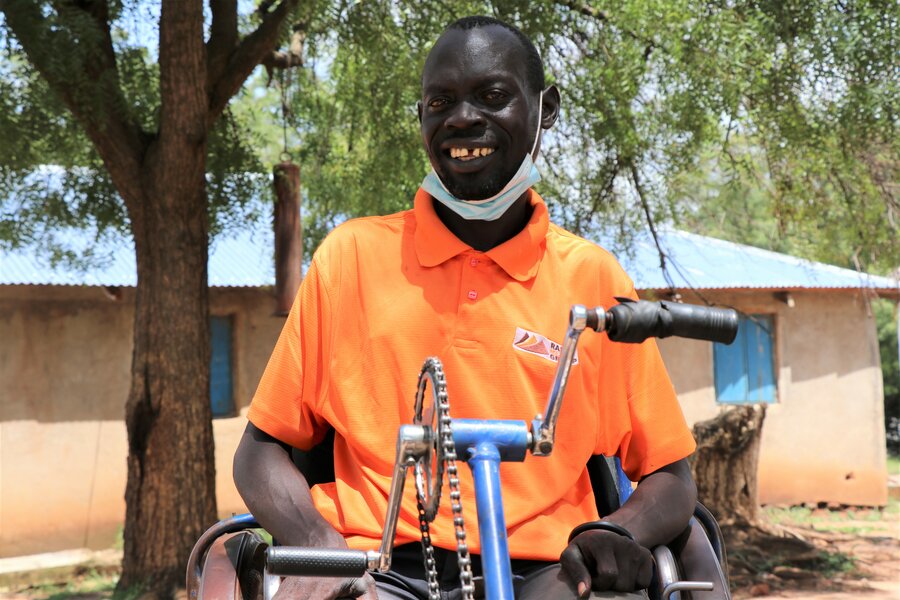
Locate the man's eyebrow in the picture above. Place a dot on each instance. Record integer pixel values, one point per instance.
(436, 87)
(494, 79)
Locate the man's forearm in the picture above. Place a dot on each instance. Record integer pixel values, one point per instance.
(277, 493)
(660, 507)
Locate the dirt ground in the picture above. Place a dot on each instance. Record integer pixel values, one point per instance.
(854, 554)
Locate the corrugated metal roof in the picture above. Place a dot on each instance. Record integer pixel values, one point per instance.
(699, 262)
(244, 259)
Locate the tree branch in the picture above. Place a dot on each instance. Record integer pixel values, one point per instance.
(639, 188)
(603, 16)
(82, 71)
(252, 50)
(182, 72)
(645, 204)
(586, 10)
(223, 37)
(293, 57)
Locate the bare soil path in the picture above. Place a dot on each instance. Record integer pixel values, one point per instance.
(857, 555)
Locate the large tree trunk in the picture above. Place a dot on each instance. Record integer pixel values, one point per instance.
(170, 494)
(725, 469)
(726, 461)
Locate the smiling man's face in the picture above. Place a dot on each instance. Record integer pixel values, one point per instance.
(478, 115)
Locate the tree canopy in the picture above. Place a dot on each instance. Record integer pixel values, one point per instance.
(682, 110)
(52, 177)
(674, 107)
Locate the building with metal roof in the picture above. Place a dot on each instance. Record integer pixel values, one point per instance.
(244, 259)
(705, 263)
(806, 348)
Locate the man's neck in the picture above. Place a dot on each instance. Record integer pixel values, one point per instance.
(484, 235)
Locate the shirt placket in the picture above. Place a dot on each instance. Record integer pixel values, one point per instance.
(471, 293)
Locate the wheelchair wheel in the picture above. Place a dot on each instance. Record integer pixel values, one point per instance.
(234, 567)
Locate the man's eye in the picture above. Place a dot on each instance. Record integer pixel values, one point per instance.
(494, 96)
(437, 102)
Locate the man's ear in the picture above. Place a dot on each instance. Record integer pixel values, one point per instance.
(419, 110)
(550, 110)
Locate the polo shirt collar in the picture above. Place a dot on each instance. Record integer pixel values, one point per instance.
(519, 256)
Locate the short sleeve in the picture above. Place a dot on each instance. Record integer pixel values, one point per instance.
(291, 389)
(641, 420)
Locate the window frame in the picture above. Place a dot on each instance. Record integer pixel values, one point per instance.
(720, 388)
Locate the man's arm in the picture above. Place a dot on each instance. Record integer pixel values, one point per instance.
(661, 506)
(277, 494)
(656, 513)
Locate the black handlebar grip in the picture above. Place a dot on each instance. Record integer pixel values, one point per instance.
(634, 321)
(322, 562)
(703, 322)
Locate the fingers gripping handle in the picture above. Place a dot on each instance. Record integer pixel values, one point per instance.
(634, 321)
(323, 562)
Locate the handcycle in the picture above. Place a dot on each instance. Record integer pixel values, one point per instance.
(229, 562)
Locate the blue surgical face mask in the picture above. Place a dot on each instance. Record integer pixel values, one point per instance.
(490, 209)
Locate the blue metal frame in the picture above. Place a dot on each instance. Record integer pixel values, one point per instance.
(623, 484)
(484, 445)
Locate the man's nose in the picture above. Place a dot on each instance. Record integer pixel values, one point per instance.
(464, 116)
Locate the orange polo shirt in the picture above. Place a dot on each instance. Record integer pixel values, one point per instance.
(384, 293)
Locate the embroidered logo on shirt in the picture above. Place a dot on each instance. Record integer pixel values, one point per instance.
(535, 343)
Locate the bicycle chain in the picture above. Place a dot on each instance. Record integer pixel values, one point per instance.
(464, 560)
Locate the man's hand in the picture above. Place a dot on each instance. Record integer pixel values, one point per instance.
(602, 560)
(327, 588)
(658, 510)
(278, 496)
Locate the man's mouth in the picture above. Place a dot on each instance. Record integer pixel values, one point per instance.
(466, 154)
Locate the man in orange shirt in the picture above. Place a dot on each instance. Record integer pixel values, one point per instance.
(476, 274)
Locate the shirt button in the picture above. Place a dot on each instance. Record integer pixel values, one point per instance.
(472, 294)
(473, 261)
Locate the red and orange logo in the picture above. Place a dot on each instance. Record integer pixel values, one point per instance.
(535, 343)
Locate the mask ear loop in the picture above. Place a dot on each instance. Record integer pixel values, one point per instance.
(537, 134)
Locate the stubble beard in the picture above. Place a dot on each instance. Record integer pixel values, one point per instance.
(477, 191)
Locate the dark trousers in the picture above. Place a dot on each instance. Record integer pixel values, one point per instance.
(532, 579)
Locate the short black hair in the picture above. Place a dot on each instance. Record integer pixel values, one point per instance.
(534, 66)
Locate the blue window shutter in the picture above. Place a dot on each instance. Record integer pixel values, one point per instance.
(731, 368)
(744, 370)
(221, 395)
(761, 377)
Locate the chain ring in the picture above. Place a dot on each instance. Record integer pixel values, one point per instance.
(429, 472)
(443, 439)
